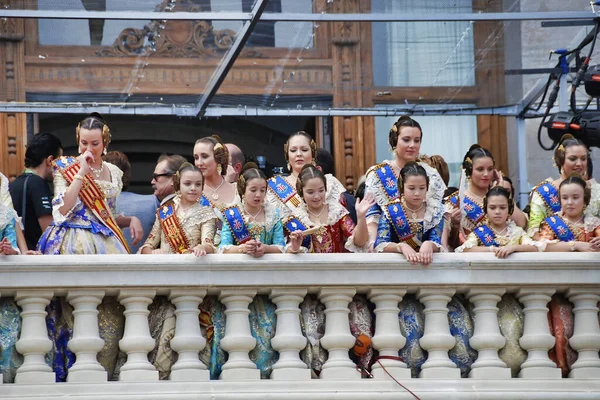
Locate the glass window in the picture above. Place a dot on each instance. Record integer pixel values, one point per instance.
(423, 53)
(448, 136)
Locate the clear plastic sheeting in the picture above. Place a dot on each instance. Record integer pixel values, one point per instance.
(287, 67)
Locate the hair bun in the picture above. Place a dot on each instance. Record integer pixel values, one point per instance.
(566, 136)
(474, 146)
(249, 165)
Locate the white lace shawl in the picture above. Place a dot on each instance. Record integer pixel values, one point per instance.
(515, 235)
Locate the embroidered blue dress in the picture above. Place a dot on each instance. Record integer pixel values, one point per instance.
(411, 231)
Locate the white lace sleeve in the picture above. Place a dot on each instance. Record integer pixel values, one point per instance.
(350, 246)
(471, 242)
(60, 187)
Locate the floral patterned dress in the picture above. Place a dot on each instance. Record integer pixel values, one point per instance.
(514, 235)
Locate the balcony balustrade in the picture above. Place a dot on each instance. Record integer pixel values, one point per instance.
(386, 280)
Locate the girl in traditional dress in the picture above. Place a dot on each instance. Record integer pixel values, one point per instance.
(300, 150)
(498, 233)
(478, 176)
(571, 155)
(382, 179)
(183, 225)
(212, 157)
(85, 195)
(254, 227)
(408, 225)
(570, 229)
(332, 232)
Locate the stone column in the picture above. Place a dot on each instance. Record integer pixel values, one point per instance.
(137, 341)
(288, 340)
(437, 339)
(487, 339)
(536, 338)
(188, 340)
(388, 339)
(338, 339)
(238, 340)
(34, 342)
(586, 335)
(86, 341)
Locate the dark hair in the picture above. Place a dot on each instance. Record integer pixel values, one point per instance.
(250, 172)
(512, 187)
(576, 179)
(122, 162)
(590, 168)
(307, 172)
(220, 152)
(475, 152)
(311, 141)
(325, 161)
(499, 191)
(42, 146)
(360, 189)
(403, 121)
(560, 152)
(174, 162)
(411, 168)
(438, 162)
(95, 121)
(186, 166)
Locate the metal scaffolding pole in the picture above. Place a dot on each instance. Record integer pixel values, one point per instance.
(296, 17)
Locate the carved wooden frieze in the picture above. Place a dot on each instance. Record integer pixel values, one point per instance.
(10, 28)
(173, 39)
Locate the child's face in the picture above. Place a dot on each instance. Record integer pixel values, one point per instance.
(571, 200)
(497, 209)
(483, 172)
(191, 186)
(415, 189)
(314, 193)
(256, 189)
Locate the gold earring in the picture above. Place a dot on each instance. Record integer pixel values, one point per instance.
(219, 169)
(288, 167)
(105, 151)
(313, 162)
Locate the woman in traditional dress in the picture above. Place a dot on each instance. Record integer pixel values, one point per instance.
(254, 228)
(6, 200)
(382, 179)
(300, 150)
(85, 194)
(402, 226)
(479, 174)
(571, 229)
(212, 157)
(571, 155)
(332, 232)
(498, 233)
(182, 224)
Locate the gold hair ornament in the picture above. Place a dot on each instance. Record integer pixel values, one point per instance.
(394, 128)
(468, 160)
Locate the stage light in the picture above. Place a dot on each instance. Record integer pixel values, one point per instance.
(591, 80)
(584, 126)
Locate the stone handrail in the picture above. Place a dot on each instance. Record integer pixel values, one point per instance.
(385, 278)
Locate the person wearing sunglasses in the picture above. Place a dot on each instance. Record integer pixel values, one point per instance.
(162, 178)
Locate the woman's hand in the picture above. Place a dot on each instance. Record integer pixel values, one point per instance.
(295, 241)
(6, 248)
(595, 243)
(497, 179)
(455, 215)
(504, 251)
(199, 250)
(248, 247)
(136, 230)
(84, 160)
(362, 206)
(585, 247)
(410, 253)
(426, 253)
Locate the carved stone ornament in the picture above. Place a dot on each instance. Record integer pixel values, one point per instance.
(172, 39)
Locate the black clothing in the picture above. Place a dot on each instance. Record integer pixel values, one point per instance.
(38, 204)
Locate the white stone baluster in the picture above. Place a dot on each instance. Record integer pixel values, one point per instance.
(288, 340)
(238, 340)
(86, 341)
(338, 339)
(536, 338)
(487, 339)
(188, 340)
(34, 342)
(437, 339)
(586, 335)
(388, 339)
(137, 341)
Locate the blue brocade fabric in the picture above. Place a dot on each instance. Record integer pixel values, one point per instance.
(10, 327)
(212, 324)
(59, 322)
(412, 327)
(461, 327)
(263, 322)
(312, 322)
(387, 234)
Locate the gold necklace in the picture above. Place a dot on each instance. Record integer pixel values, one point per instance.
(215, 195)
(414, 214)
(501, 232)
(253, 215)
(576, 222)
(318, 216)
(98, 171)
